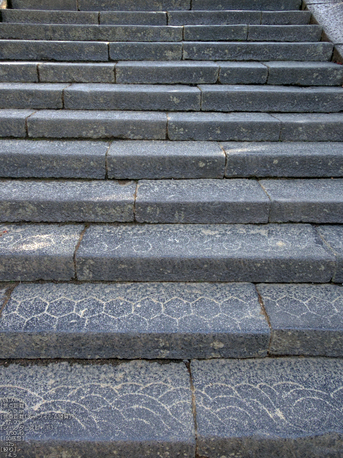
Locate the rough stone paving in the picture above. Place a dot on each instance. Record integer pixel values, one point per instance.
(171, 255)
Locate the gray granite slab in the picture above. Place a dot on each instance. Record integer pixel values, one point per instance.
(213, 17)
(49, 17)
(98, 124)
(52, 72)
(133, 17)
(309, 127)
(291, 33)
(165, 159)
(285, 17)
(305, 73)
(267, 253)
(246, 4)
(200, 201)
(3, 290)
(338, 53)
(215, 32)
(305, 200)
(131, 97)
(278, 159)
(133, 320)
(38, 252)
(333, 237)
(52, 159)
(291, 407)
(330, 16)
(242, 73)
(223, 126)
(66, 201)
(13, 122)
(31, 95)
(304, 319)
(127, 410)
(18, 72)
(145, 51)
(138, 5)
(45, 4)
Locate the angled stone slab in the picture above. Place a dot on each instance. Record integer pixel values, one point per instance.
(131, 97)
(66, 201)
(215, 32)
(52, 159)
(223, 126)
(38, 252)
(182, 252)
(278, 159)
(31, 95)
(52, 72)
(305, 73)
(25, 72)
(330, 16)
(213, 17)
(131, 409)
(145, 51)
(286, 406)
(311, 127)
(246, 5)
(166, 72)
(200, 201)
(305, 200)
(285, 17)
(293, 33)
(133, 18)
(304, 319)
(137, 5)
(69, 5)
(333, 238)
(134, 320)
(3, 291)
(13, 122)
(48, 17)
(242, 73)
(165, 159)
(98, 124)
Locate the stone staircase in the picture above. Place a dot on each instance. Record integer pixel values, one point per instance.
(171, 237)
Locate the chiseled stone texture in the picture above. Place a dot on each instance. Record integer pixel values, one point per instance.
(215, 32)
(157, 252)
(52, 159)
(38, 252)
(45, 4)
(126, 410)
(12, 122)
(134, 320)
(213, 17)
(285, 17)
(307, 127)
(330, 16)
(138, 5)
(49, 17)
(333, 236)
(242, 73)
(31, 95)
(3, 290)
(305, 319)
(54, 72)
(289, 407)
(18, 72)
(165, 159)
(145, 51)
(280, 33)
(133, 17)
(201, 201)
(305, 73)
(246, 4)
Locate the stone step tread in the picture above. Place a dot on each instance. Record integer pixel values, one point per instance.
(269, 253)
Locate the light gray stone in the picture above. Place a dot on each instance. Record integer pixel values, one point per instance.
(223, 126)
(134, 320)
(213, 17)
(52, 159)
(13, 122)
(131, 97)
(278, 159)
(25, 72)
(165, 159)
(66, 201)
(131, 409)
(44, 4)
(187, 252)
(338, 54)
(145, 51)
(291, 407)
(49, 17)
(333, 238)
(201, 201)
(98, 124)
(311, 127)
(305, 319)
(285, 17)
(38, 252)
(215, 32)
(246, 5)
(51, 72)
(330, 16)
(137, 5)
(133, 18)
(31, 95)
(281, 33)
(242, 73)
(305, 73)
(3, 291)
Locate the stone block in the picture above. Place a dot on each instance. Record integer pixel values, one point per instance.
(21, 72)
(145, 51)
(333, 238)
(246, 5)
(69, 5)
(215, 32)
(330, 16)
(138, 5)
(293, 33)
(52, 72)
(213, 17)
(285, 17)
(311, 127)
(305, 73)
(49, 17)
(133, 18)
(242, 73)
(31, 95)
(13, 122)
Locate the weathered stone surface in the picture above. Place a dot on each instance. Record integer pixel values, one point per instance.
(215, 32)
(31, 95)
(12, 122)
(52, 159)
(38, 252)
(285, 17)
(305, 200)
(246, 5)
(213, 17)
(18, 72)
(242, 73)
(49, 17)
(166, 72)
(305, 319)
(145, 51)
(269, 253)
(305, 73)
(311, 127)
(131, 97)
(133, 18)
(165, 159)
(44, 4)
(131, 409)
(66, 201)
(333, 237)
(134, 320)
(3, 290)
(223, 126)
(288, 406)
(279, 159)
(98, 124)
(137, 5)
(281, 33)
(201, 201)
(330, 16)
(52, 72)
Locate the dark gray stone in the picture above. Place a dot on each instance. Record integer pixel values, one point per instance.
(49, 17)
(200, 201)
(305, 200)
(311, 127)
(137, 5)
(13, 122)
(246, 5)
(145, 51)
(98, 124)
(291, 407)
(126, 410)
(223, 126)
(330, 16)
(213, 17)
(131, 97)
(215, 32)
(242, 73)
(279, 159)
(31, 95)
(187, 252)
(134, 320)
(133, 18)
(18, 72)
(166, 72)
(52, 159)
(285, 17)
(51, 72)
(44, 4)
(305, 73)
(153, 160)
(338, 53)
(305, 319)
(38, 252)
(66, 201)
(53, 50)
(293, 33)
(333, 238)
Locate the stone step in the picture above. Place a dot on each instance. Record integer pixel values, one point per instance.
(269, 253)
(50, 17)
(246, 4)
